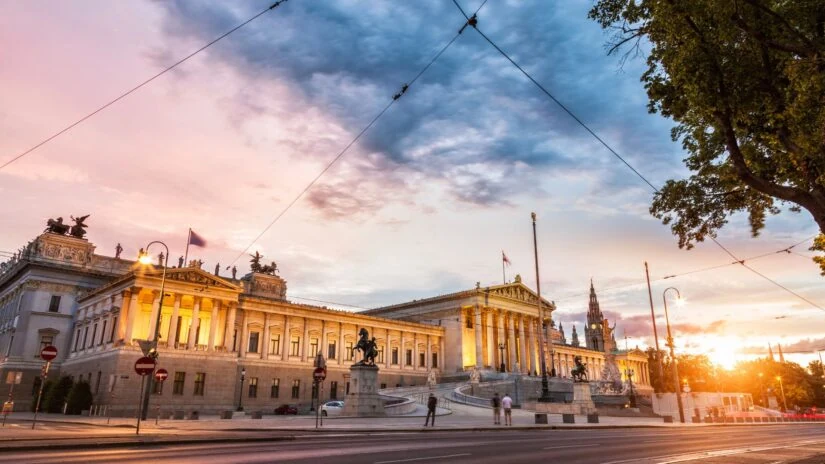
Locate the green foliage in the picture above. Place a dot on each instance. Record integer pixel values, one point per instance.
(53, 402)
(745, 83)
(46, 388)
(80, 398)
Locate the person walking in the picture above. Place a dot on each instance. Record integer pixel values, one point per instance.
(507, 404)
(432, 402)
(496, 402)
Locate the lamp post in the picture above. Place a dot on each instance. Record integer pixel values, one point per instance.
(676, 384)
(629, 373)
(240, 393)
(545, 388)
(502, 368)
(782, 390)
(153, 352)
(764, 400)
(660, 369)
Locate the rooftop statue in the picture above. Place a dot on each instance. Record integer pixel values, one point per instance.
(255, 262)
(56, 226)
(79, 228)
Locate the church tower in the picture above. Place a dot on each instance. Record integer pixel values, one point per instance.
(593, 333)
(575, 337)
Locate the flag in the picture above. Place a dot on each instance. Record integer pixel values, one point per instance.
(195, 239)
(504, 258)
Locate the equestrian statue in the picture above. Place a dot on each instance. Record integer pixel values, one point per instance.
(579, 372)
(366, 345)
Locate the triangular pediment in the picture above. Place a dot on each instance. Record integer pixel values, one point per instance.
(195, 276)
(517, 291)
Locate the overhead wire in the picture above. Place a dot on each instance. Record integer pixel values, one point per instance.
(617, 155)
(139, 86)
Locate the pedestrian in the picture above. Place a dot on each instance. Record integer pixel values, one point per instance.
(432, 401)
(496, 402)
(507, 404)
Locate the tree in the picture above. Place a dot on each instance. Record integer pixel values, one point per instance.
(57, 395)
(745, 82)
(80, 398)
(36, 390)
(817, 380)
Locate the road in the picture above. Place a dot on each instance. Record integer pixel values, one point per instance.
(782, 443)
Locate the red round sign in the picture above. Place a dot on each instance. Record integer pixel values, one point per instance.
(145, 365)
(319, 374)
(161, 375)
(48, 353)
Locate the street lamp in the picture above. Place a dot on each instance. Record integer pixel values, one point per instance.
(240, 393)
(762, 391)
(676, 384)
(503, 367)
(629, 373)
(144, 258)
(545, 388)
(782, 389)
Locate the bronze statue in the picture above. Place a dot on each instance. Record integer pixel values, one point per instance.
(217, 269)
(579, 372)
(118, 251)
(255, 262)
(180, 262)
(56, 226)
(367, 347)
(79, 228)
(234, 271)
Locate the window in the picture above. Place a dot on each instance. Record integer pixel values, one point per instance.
(296, 388)
(276, 388)
(85, 337)
(200, 381)
(381, 355)
(45, 340)
(253, 342)
(114, 329)
(294, 346)
(347, 388)
(253, 387)
(468, 318)
(54, 304)
(408, 358)
(103, 332)
(333, 390)
(331, 350)
(76, 339)
(349, 354)
(275, 344)
(435, 361)
(395, 355)
(313, 346)
(383, 386)
(180, 378)
(94, 334)
(422, 358)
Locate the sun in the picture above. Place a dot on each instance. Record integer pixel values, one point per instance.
(722, 351)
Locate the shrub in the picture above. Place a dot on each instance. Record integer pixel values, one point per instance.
(53, 402)
(80, 398)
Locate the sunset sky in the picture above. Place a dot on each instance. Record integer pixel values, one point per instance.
(424, 203)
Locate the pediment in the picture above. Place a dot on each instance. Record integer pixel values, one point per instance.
(196, 276)
(517, 291)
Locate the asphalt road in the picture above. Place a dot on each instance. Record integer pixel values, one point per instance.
(615, 446)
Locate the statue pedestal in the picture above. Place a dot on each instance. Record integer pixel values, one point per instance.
(363, 399)
(582, 398)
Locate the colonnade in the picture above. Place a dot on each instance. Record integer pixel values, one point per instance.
(505, 337)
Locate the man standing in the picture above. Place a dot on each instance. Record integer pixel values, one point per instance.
(432, 401)
(507, 404)
(496, 402)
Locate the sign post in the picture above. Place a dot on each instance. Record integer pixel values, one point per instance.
(143, 367)
(318, 376)
(160, 376)
(12, 379)
(47, 353)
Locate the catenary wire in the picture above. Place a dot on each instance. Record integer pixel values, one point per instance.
(139, 86)
(617, 155)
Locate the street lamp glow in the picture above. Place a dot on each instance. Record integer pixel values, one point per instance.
(680, 301)
(145, 258)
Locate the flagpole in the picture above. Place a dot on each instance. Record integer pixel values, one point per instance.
(503, 275)
(186, 255)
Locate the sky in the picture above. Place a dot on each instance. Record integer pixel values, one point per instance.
(425, 202)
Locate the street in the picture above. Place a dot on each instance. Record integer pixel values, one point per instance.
(620, 445)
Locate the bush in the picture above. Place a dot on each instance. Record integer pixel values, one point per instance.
(53, 402)
(46, 389)
(80, 398)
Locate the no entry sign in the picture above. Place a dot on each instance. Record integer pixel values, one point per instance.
(161, 375)
(319, 374)
(145, 365)
(48, 353)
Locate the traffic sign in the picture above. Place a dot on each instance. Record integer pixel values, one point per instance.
(145, 365)
(48, 353)
(161, 375)
(319, 374)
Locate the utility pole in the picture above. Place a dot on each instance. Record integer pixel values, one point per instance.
(659, 368)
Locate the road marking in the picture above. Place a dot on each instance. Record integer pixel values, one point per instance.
(570, 446)
(675, 458)
(424, 459)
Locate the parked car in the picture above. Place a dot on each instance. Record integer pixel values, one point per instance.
(332, 408)
(286, 409)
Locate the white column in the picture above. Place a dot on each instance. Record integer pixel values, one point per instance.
(229, 331)
(341, 348)
(531, 345)
(402, 352)
(441, 358)
(173, 322)
(242, 342)
(213, 324)
(154, 315)
(286, 343)
(194, 326)
(428, 363)
(479, 347)
(304, 341)
(522, 345)
(511, 342)
(324, 348)
(134, 309)
(265, 335)
(487, 319)
(388, 351)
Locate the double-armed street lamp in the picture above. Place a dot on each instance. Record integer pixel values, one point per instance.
(145, 258)
(676, 384)
(240, 393)
(502, 368)
(629, 373)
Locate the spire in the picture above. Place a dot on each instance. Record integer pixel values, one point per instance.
(781, 356)
(770, 352)
(575, 341)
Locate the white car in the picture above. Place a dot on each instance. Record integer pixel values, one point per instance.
(332, 408)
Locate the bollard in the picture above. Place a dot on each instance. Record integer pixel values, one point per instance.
(568, 418)
(593, 418)
(541, 418)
